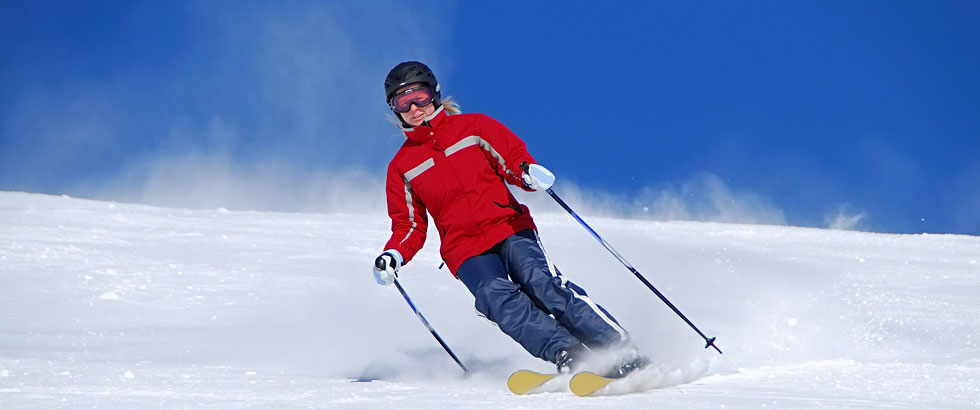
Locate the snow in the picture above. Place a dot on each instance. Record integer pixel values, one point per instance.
(121, 306)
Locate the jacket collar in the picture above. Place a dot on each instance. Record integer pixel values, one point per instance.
(423, 132)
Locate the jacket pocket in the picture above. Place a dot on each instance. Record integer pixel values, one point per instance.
(516, 208)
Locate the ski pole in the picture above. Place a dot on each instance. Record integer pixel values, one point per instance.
(709, 342)
(428, 326)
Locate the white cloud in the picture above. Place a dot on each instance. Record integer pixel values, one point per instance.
(263, 105)
(845, 218)
(704, 197)
(213, 181)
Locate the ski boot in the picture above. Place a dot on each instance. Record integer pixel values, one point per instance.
(569, 359)
(630, 365)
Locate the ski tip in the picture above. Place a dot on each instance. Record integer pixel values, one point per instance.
(586, 383)
(524, 381)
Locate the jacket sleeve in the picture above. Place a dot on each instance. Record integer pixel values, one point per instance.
(408, 218)
(507, 151)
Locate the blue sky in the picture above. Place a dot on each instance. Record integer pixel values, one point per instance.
(852, 114)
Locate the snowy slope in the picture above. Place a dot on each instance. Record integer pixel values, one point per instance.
(118, 306)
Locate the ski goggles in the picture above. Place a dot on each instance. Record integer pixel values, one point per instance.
(420, 96)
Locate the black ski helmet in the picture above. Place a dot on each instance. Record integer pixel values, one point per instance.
(410, 72)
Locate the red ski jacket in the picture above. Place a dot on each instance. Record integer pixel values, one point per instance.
(455, 167)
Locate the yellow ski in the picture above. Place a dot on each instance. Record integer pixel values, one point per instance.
(586, 383)
(523, 381)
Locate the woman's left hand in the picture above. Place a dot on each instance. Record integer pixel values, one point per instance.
(537, 177)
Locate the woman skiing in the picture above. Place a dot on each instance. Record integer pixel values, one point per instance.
(455, 167)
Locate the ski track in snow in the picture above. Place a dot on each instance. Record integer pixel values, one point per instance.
(120, 306)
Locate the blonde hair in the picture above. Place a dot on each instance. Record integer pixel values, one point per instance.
(449, 105)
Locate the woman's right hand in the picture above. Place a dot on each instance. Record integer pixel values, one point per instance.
(386, 267)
